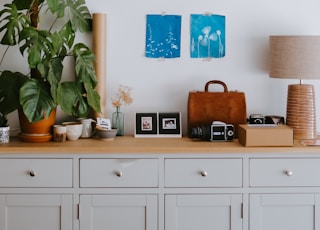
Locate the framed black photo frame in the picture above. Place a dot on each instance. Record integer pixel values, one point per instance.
(170, 124)
(146, 124)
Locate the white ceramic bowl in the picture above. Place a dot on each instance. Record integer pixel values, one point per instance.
(106, 134)
(74, 130)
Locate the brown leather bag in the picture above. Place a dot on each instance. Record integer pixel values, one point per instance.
(206, 107)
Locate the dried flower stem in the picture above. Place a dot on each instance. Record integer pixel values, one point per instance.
(123, 96)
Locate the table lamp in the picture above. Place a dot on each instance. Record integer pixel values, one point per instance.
(297, 57)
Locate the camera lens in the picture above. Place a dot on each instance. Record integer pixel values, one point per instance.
(258, 121)
(202, 132)
(230, 133)
(196, 132)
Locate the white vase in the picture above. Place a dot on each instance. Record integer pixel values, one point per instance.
(4, 135)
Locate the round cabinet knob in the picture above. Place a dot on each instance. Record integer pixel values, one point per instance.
(288, 172)
(118, 173)
(203, 173)
(32, 173)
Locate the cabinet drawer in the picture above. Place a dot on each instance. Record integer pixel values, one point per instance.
(36, 173)
(119, 172)
(285, 172)
(203, 172)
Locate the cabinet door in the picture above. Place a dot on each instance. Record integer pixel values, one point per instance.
(118, 212)
(36, 212)
(200, 212)
(284, 211)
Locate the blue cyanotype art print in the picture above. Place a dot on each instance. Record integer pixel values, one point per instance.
(207, 36)
(163, 36)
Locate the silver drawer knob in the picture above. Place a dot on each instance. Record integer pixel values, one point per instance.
(32, 173)
(204, 173)
(288, 173)
(118, 173)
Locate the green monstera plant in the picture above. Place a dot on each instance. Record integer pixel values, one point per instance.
(45, 44)
(9, 94)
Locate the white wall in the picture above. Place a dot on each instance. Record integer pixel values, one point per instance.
(160, 86)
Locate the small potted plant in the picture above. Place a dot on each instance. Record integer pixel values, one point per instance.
(45, 31)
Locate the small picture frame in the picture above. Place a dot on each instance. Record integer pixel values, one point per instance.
(146, 124)
(170, 124)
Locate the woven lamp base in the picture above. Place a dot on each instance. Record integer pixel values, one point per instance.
(301, 111)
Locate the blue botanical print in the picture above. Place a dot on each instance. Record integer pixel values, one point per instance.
(207, 36)
(163, 36)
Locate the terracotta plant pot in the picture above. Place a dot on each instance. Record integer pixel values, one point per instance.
(39, 131)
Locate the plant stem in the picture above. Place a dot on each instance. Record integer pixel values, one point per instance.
(34, 14)
(4, 54)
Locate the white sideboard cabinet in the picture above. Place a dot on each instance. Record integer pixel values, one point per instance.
(158, 184)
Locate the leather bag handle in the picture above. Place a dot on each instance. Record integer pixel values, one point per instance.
(216, 82)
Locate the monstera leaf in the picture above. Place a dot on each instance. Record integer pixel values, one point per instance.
(52, 71)
(71, 100)
(84, 58)
(14, 22)
(93, 98)
(36, 100)
(38, 45)
(62, 40)
(86, 74)
(10, 83)
(79, 15)
(76, 11)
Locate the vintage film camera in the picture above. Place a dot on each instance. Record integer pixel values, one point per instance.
(258, 119)
(218, 131)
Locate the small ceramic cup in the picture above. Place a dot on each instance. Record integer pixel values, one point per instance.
(59, 133)
(74, 130)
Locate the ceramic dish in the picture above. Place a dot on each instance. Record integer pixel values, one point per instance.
(106, 134)
(35, 138)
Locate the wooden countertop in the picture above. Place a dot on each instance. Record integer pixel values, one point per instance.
(129, 144)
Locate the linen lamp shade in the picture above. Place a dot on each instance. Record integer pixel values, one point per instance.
(297, 57)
